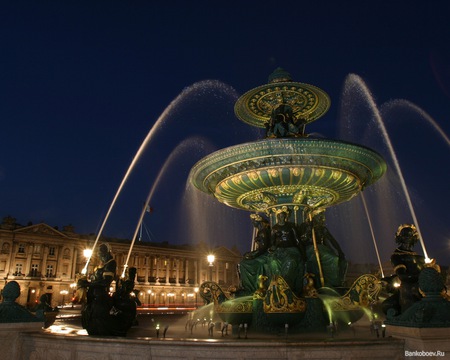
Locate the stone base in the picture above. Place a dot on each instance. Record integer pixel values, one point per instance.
(418, 341)
(11, 338)
(43, 346)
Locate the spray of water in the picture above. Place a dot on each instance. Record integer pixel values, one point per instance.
(354, 80)
(372, 233)
(191, 91)
(180, 150)
(405, 104)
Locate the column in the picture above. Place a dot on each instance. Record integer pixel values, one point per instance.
(225, 266)
(59, 262)
(186, 271)
(136, 265)
(217, 271)
(74, 263)
(43, 265)
(177, 272)
(167, 262)
(157, 260)
(196, 272)
(147, 269)
(29, 250)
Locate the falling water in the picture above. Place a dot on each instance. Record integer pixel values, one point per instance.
(372, 233)
(211, 222)
(405, 104)
(194, 143)
(188, 93)
(354, 80)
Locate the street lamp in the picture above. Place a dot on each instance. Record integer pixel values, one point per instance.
(73, 286)
(210, 259)
(196, 292)
(63, 293)
(87, 253)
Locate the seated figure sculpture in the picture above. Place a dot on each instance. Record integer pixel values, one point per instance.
(333, 264)
(283, 123)
(254, 262)
(286, 256)
(279, 253)
(407, 266)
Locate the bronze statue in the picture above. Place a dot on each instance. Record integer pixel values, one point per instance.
(10, 310)
(284, 123)
(286, 256)
(103, 313)
(254, 262)
(407, 266)
(45, 310)
(333, 265)
(262, 238)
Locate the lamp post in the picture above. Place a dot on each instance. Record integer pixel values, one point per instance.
(196, 292)
(210, 259)
(63, 293)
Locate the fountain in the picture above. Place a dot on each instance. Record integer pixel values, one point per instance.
(292, 280)
(291, 178)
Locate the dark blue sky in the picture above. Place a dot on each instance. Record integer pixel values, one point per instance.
(82, 83)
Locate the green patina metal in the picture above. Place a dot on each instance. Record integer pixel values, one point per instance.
(307, 102)
(291, 171)
(288, 168)
(10, 310)
(287, 172)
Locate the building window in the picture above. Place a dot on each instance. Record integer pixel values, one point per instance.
(51, 251)
(34, 270)
(49, 271)
(18, 270)
(37, 249)
(21, 249)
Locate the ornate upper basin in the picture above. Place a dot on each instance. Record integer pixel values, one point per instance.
(264, 174)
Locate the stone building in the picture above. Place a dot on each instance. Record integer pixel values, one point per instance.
(45, 260)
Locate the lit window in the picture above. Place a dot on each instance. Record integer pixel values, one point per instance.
(49, 272)
(34, 269)
(18, 269)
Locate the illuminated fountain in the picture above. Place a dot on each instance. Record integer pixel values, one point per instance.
(290, 178)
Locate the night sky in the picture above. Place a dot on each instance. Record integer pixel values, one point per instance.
(83, 83)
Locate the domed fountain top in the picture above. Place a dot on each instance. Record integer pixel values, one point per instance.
(288, 168)
(307, 103)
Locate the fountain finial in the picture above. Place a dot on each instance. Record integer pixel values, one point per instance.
(279, 75)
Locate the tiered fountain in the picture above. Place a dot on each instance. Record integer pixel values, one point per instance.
(287, 181)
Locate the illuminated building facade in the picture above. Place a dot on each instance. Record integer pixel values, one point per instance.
(45, 260)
